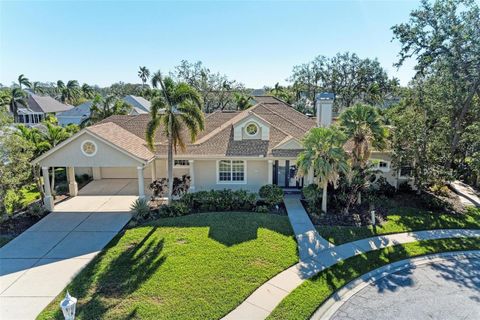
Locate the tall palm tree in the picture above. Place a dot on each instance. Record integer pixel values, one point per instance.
(87, 91)
(323, 153)
(364, 125)
(53, 135)
(144, 75)
(67, 93)
(22, 80)
(179, 105)
(103, 108)
(14, 99)
(37, 88)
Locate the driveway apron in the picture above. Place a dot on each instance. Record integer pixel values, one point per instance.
(38, 264)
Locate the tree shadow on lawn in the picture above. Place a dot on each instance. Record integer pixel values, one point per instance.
(238, 228)
(105, 283)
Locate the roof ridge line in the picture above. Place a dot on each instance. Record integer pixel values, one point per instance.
(226, 124)
(286, 119)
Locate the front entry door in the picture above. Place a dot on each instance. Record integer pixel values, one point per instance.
(285, 174)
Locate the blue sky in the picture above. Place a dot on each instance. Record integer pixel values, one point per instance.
(256, 43)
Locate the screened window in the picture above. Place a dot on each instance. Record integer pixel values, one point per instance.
(231, 171)
(181, 163)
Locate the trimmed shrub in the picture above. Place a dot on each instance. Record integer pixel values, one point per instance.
(271, 194)
(382, 187)
(219, 200)
(176, 209)
(36, 210)
(261, 209)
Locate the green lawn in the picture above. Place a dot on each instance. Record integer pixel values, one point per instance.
(303, 301)
(403, 219)
(194, 267)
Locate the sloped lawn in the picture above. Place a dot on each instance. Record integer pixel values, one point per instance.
(194, 267)
(403, 219)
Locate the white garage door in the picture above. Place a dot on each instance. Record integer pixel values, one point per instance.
(119, 173)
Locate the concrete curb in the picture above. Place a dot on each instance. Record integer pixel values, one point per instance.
(328, 308)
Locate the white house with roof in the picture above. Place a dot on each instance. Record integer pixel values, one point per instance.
(38, 107)
(81, 112)
(237, 150)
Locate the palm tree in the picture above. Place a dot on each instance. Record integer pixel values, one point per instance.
(144, 74)
(323, 153)
(36, 87)
(22, 80)
(365, 127)
(103, 108)
(53, 135)
(178, 105)
(67, 93)
(87, 91)
(15, 98)
(242, 101)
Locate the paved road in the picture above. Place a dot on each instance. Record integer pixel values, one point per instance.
(448, 289)
(37, 265)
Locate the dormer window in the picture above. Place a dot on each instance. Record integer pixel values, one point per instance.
(251, 129)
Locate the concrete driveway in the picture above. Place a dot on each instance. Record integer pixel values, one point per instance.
(37, 265)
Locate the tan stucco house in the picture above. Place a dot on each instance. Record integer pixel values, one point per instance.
(237, 150)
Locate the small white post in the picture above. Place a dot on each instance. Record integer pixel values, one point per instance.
(373, 217)
(48, 201)
(141, 183)
(191, 168)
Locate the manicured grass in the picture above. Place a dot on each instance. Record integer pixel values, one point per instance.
(303, 301)
(403, 219)
(195, 267)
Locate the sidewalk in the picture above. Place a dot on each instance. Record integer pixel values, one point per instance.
(310, 243)
(317, 254)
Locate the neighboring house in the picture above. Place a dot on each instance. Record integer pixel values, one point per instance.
(140, 105)
(75, 115)
(237, 150)
(38, 108)
(82, 111)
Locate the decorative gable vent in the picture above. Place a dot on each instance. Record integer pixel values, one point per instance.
(251, 128)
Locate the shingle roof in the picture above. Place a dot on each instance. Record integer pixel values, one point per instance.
(123, 139)
(217, 138)
(139, 104)
(78, 111)
(46, 104)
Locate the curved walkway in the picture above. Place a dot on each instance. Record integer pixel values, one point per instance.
(317, 254)
(431, 286)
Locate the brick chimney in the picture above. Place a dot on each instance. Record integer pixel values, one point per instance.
(324, 106)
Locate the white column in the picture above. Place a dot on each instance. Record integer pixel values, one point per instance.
(97, 175)
(141, 183)
(154, 170)
(72, 183)
(270, 171)
(192, 175)
(48, 201)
